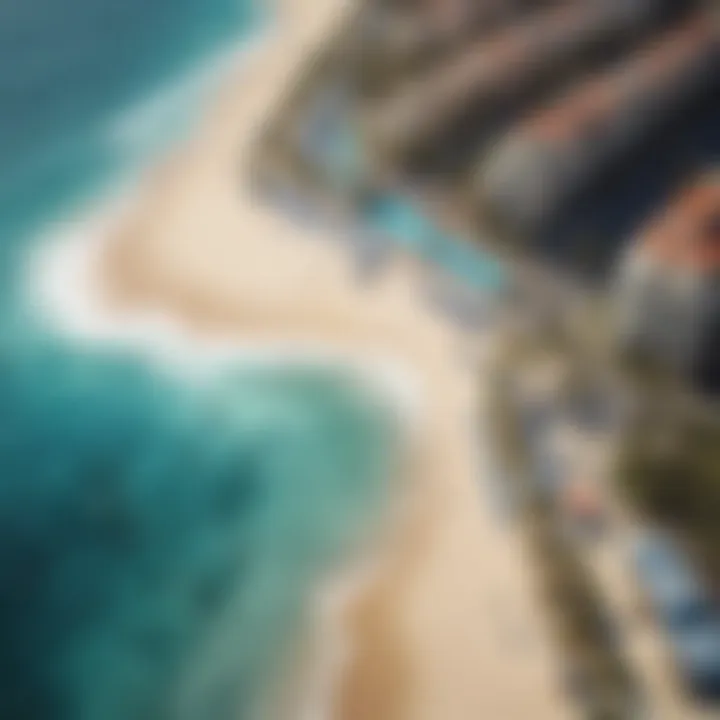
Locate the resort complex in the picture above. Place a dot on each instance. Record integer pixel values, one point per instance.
(558, 161)
(360, 360)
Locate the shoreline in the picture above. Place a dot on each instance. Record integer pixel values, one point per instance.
(63, 273)
(64, 281)
(194, 256)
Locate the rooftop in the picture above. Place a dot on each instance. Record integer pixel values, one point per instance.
(686, 235)
(651, 65)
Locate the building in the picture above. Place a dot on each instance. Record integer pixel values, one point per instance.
(492, 77)
(668, 295)
(563, 147)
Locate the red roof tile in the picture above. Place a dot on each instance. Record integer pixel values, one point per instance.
(687, 234)
(596, 102)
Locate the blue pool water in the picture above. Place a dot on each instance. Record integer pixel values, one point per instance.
(157, 540)
(400, 221)
(330, 142)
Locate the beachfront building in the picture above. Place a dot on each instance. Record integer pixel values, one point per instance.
(668, 296)
(404, 38)
(461, 99)
(563, 147)
(421, 28)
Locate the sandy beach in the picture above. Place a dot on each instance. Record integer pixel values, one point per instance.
(448, 626)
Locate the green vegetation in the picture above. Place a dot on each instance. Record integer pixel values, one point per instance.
(669, 467)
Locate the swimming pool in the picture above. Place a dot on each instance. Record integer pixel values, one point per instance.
(328, 139)
(408, 227)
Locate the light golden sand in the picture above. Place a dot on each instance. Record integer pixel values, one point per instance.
(449, 629)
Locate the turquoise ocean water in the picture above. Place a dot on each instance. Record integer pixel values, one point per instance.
(157, 539)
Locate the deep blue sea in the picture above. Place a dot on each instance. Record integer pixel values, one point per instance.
(157, 539)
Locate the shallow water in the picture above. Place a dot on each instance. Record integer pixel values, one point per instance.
(158, 539)
(70, 69)
(157, 542)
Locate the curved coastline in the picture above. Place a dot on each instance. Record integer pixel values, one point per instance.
(64, 284)
(62, 289)
(64, 305)
(195, 261)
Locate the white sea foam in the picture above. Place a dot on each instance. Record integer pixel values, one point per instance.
(63, 283)
(63, 286)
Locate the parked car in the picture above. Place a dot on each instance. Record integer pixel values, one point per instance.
(697, 653)
(685, 609)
